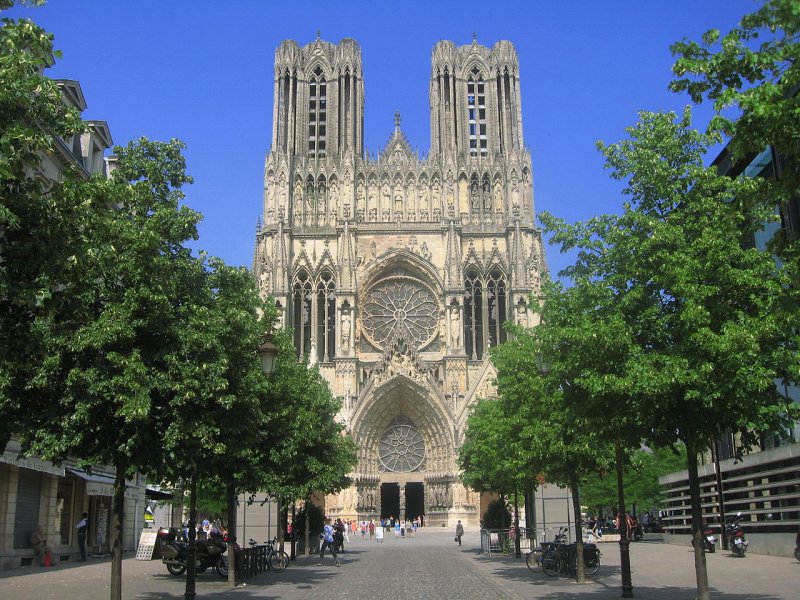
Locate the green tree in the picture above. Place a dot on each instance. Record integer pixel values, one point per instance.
(490, 457)
(751, 75)
(699, 304)
(535, 382)
(641, 479)
(43, 233)
(107, 376)
(303, 448)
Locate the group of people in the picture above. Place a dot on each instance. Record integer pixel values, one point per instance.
(336, 533)
(635, 527)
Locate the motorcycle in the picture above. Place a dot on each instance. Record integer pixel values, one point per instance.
(738, 544)
(709, 540)
(208, 554)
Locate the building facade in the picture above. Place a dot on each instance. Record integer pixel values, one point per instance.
(35, 492)
(396, 273)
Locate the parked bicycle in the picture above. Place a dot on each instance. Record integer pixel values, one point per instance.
(559, 557)
(275, 558)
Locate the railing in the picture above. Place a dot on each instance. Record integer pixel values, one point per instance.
(502, 541)
(254, 561)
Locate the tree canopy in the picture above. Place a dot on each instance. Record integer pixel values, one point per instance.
(751, 75)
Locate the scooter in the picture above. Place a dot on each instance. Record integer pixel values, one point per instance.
(208, 554)
(738, 544)
(709, 540)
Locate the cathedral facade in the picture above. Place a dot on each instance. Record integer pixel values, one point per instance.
(396, 273)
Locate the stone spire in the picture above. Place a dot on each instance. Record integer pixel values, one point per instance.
(347, 260)
(281, 274)
(452, 272)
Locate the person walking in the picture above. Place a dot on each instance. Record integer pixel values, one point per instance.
(459, 532)
(327, 542)
(83, 528)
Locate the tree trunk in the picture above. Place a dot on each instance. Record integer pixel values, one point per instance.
(701, 574)
(280, 523)
(580, 572)
(293, 537)
(117, 512)
(517, 548)
(308, 526)
(624, 538)
(192, 550)
(231, 535)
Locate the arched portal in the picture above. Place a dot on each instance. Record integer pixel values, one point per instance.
(404, 433)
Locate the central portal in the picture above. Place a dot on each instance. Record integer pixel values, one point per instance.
(390, 500)
(415, 500)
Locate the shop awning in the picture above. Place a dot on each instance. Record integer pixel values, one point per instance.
(96, 485)
(157, 494)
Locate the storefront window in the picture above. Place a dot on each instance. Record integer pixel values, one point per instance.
(66, 489)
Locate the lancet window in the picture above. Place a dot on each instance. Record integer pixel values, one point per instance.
(301, 312)
(314, 314)
(317, 114)
(496, 306)
(326, 317)
(476, 108)
(485, 311)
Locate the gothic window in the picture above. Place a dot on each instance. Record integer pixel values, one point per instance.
(401, 449)
(314, 314)
(301, 313)
(496, 304)
(473, 315)
(326, 317)
(400, 308)
(476, 108)
(317, 119)
(485, 311)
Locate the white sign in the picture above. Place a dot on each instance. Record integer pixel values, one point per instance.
(31, 462)
(94, 488)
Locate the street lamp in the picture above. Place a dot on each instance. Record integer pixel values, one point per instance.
(267, 354)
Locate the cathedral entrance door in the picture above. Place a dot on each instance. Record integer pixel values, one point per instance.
(415, 500)
(390, 500)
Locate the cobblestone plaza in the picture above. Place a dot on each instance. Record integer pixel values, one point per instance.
(429, 566)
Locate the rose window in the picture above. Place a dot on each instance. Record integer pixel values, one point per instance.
(400, 308)
(401, 448)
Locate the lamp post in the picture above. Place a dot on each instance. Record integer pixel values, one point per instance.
(267, 354)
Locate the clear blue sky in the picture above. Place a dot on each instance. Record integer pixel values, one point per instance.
(203, 72)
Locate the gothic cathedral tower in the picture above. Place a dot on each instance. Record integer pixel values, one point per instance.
(396, 274)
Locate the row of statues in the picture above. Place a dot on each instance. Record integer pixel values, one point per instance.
(316, 202)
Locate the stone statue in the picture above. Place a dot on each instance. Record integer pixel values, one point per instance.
(455, 326)
(346, 328)
(522, 315)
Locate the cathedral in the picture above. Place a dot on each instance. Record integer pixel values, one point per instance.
(396, 273)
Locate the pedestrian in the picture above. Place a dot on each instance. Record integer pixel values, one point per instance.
(363, 530)
(83, 528)
(39, 545)
(403, 529)
(646, 521)
(338, 535)
(459, 532)
(327, 542)
(371, 529)
(397, 528)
